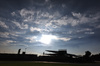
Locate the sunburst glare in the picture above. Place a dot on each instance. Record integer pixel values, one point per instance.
(46, 39)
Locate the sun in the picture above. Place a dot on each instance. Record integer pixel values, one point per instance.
(46, 39)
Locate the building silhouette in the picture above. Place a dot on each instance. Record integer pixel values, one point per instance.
(58, 56)
(61, 53)
(51, 55)
(18, 56)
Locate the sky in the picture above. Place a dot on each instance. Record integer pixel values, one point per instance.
(39, 25)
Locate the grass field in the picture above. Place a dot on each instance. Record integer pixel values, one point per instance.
(30, 63)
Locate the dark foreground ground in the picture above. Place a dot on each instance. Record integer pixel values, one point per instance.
(31, 63)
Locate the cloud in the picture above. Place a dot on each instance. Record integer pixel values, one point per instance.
(47, 0)
(27, 15)
(63, 39)
(13, 13)
(21, 26)
(36, 39)
(50, 6)
(46, 15)
(25, 12)
(43, 18)
(4, 34)
(59, 22)
(74, 20)
(98, 26)
(9, 34)
(2, 24)
(48, 22)
(32, 39)
(19, 45)
(84, 30)
(78, 15)
(63, 5)
(10, 41)
(32, 29)
(89, 32)
(83, 18)
(7, 42)
(51, 20)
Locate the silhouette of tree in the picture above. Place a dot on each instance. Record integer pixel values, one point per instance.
(87, 57)
(87, 54)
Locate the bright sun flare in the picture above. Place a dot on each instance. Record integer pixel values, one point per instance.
(46, 39)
